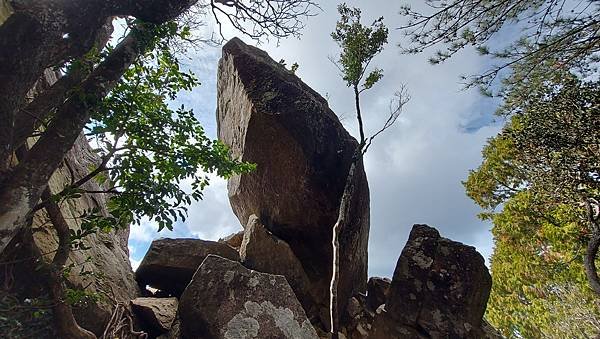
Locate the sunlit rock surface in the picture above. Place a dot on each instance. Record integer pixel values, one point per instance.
(226, 300)
(269, 117)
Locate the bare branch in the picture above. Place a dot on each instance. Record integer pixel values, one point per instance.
(566, 32)
(263, 19)
(397, 103)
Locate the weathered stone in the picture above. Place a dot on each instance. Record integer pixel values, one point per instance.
(264, 252)
(109, 256)
(5, 10)
(157, 314)
(170, 264)
(361, 332)
(227, 300)
(377, 291)
(234, 240)
(354, 308)
(440, 289)
(268, 116)
(105, 259)
(174, 332)
(360, 318)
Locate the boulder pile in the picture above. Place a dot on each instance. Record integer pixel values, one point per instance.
(272, 279)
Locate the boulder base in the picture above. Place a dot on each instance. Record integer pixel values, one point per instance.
(157, 314)
(268, 116)
(226, 300)
(262, 251)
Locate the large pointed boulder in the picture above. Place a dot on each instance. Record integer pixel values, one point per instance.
(268, 116)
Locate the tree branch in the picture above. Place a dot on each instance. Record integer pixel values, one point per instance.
(52, 275)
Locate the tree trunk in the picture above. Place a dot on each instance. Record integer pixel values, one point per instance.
(39, 35)
(51, 273)
(21, 193)
(590, 263)
(43, 34)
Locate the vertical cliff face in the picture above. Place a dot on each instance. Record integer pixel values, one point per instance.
(106, 257)
(269, 117)
(103, 267)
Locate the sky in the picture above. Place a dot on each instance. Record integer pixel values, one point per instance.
(414, 169)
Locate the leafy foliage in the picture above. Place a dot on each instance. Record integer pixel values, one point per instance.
(537, 268)
(359, 45)
(521, 35)
(25, 318)
(539, 169)
(549, 147)
(153, 148)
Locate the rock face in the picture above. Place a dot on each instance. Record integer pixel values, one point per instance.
(361, 318)
(377, 291)
(440, 289)
(264, 252)
(269, 117)
(226, 300)
(158, 314)
(170, 264)
(109, 255)
(234, 240)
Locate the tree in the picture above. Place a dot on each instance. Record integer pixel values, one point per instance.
(543, 169)
(540, 288)
(119, 97)
(359, 44)
(554, 34)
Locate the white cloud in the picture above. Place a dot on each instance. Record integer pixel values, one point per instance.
(134, 263)
(212, 217)
(143, 232)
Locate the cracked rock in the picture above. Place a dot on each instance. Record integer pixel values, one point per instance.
(226, 300)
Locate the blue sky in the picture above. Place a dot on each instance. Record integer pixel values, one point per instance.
(415, 169)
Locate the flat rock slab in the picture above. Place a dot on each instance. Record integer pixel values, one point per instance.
(226, 300)
(170, 264)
